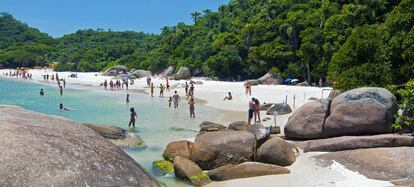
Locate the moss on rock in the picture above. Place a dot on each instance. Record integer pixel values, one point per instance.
(163, 167)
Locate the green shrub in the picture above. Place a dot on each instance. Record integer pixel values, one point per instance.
(405, 121)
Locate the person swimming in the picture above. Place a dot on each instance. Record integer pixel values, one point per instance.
(61, 107)
(229, 97)
(42, 92)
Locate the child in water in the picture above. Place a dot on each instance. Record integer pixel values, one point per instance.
(169, 102)
(42, 92)
(63, 108)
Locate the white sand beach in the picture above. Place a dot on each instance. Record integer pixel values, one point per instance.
(304, 172)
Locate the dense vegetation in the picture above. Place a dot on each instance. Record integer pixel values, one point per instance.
(355, 43)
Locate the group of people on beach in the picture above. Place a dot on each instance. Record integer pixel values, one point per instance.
(116, 85)
(19, 73)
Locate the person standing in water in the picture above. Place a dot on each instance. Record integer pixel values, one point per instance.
(176, 98)
(168, 84)
(152, 89)
(191, 107)
(105, 84)
(61, 90)
(186, 88)
(169, 102)
(42, 92)
(162, 90)
(133, 118)
(127, 98)
(64, 83)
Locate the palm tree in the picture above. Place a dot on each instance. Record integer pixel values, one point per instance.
(195, 16)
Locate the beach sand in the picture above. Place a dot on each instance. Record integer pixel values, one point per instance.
(304, 172)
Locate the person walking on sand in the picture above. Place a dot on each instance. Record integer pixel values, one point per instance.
(191, 107)
(105, 84)
(152, 89)
(229, 97)
(162, 90)
(186, 88)
(167, 84)
(251, 111)
(42, 92)
(61, 90)
(248, 86)
(133, 118)
(176, 98)
(127, 98)
(256, 110)
(169, 102)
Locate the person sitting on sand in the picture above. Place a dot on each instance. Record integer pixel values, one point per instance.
(61, 107)
(152, 89)
(169, 102)
(42, 92)
(133, 118)
(191, 107)
(229, 97)
(251, 111)
(162, 90)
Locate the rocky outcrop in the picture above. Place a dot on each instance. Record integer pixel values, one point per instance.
(218, 148)
(359, 142)
(280, 108)
(265, 106)
(270, 79)
(140, 74)
(358, 117)
(187, 170)
(390, 164)
(261, 133)
(177, 148)
(116, 70)
(42, 150)
(277, 151)
(208, 126)
(182, 73)
(239, 126)
(118, 136)
(307, 122)
(245, 170)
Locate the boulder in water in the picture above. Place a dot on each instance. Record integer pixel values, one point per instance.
(43, 150)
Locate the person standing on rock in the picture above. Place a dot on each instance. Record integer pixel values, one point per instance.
(192, 108)
(133, 118)
(256, 110)
(152, 89)
(176, 98)
(251, 111)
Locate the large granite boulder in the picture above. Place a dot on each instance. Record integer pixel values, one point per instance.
(359, 142)
(265, 106)
(182, 73)
(140, 74)
(261, 133)
(168, 72)
(394, 164)
(218, 148)
(307, 122)
(187, 170)
(358, 117)
(277, 151)
(239, 126)
(333, 94)
(178, 148)
(208, 126)
(246, 170)
(42, 150)
(280, 108)
(268, 78)
(116, 70)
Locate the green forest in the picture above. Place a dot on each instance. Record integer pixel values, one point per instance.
(352, 42)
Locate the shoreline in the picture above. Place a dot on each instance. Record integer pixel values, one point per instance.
(209, 94)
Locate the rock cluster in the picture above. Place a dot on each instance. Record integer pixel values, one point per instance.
(362, 111)
(239, 151)
(116, 70)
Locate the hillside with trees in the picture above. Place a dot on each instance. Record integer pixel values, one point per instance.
(354, 43)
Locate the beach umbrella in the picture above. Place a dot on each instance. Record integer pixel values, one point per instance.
(294, 80)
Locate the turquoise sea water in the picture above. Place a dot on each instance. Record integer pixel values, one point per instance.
(155, 118)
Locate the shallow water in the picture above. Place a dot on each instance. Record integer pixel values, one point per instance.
(154, 123)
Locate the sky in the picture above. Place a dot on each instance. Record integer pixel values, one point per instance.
(59, 17)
